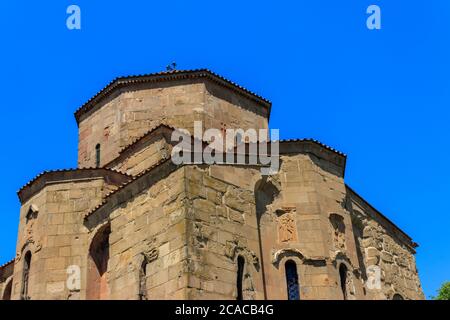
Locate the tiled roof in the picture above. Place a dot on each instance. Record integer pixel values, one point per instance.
(44, 173)
(168, 76)
(134, 178)
(316, 142)
(136, 140)
(7, 264)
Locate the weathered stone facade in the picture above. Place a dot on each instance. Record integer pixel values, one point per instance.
(133, 225)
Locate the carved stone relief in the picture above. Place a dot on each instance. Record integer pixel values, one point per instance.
(338, 231)
(287, 227)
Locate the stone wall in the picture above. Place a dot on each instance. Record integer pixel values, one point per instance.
(143, 157)
(221, 225)
(129, 113)
(178, 232)
(147, 244)
(383, 245)
(294, 210)
(225, 109)
(185, 232)
(297, 225)
(56, 237)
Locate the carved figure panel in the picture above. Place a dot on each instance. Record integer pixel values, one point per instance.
(338, 231)
(287, 226)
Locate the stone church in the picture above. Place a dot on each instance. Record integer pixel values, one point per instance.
(129, 223)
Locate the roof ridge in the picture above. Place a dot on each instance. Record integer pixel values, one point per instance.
(7, 263)
(118, 81)
(69, 170)
(136, 140)
(163, 124)
(134, 178)
(146, 134)
(315, 141)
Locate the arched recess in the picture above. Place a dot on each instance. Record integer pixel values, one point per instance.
(97, 155)
(290, 261)
(397, 296)
(24, 294)
(240, 277)
(142, 294)
(8, 290)
(97, 284)
(346, 276)
(265, 194)
(142, 263)
(343, 274)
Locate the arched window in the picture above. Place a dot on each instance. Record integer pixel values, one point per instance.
(26, 276)
(97, 285)
(397, 297)
(97, 155)
(343, 278)
(240, 277)
(292, 280)
(7, 291)
(143, 280)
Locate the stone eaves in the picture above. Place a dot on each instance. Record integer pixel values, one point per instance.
(42, 179)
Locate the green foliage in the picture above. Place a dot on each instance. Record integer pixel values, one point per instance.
(444, 292)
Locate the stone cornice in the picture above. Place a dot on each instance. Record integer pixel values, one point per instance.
(46, 177)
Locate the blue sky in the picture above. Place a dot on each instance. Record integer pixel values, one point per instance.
(380, 96)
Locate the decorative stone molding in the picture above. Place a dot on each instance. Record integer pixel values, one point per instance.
(338, 257)
(34, 246)
(235, 247)
(278, 255)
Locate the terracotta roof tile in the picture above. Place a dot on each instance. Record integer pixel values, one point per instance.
(137, 140)
(7, 264)
(28, 184)
(316, 142)
(134, 178)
